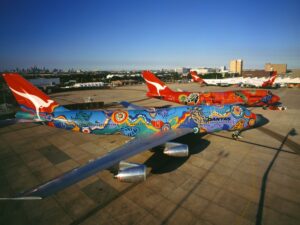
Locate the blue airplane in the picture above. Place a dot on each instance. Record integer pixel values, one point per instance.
(151, 127)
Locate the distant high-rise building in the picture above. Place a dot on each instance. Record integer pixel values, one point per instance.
(204, 70)
(280, 68)
(182, 70)
(222, 68)
(236, 66)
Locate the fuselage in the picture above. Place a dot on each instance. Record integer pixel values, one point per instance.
(203, 119)
(244, 97)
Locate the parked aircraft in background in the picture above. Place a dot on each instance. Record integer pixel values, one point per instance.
(215, 82)
(158, 89)
(288, 81)
(150, 127)
(285, 81)
(240, 81)
(255, 82)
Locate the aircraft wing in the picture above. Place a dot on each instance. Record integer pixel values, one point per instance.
(92, 167)
(8, 122)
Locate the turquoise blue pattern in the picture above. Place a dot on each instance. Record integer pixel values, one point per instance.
(203, 119)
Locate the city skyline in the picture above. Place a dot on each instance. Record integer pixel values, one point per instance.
(133, 35)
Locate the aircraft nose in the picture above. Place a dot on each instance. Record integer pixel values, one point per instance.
(253, 116)
(275, 98)
(260, 120)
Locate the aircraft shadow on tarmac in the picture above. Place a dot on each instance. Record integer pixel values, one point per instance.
(260, 209)
(284, 141)
(161, 163)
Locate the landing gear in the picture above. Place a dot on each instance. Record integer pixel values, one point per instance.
(236, 135)
(282, 107)
(278, 107)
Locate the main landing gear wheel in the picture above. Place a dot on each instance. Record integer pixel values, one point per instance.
(236, 135)
(278, 107)
(282, 107)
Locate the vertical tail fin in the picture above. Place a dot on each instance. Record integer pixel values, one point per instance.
(273, 77)
(29, 97)
(155, 86)
(196, 78)
(271, 80)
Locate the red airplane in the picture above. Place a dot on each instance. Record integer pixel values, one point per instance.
(158, 89)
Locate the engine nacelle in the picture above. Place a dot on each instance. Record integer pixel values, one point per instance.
(131, 172)
(176, 149)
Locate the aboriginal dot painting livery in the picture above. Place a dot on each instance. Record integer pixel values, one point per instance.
(158, 89)
(142, 122)
(151, 127)
(35, 104)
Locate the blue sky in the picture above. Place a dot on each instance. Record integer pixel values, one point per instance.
(148, 34)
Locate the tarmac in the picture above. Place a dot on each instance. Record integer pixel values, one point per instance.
(255, 180)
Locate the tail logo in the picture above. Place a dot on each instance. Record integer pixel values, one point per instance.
(270, 81)
(195, 77)
(273, 79)
(158, 87)
(35, 100)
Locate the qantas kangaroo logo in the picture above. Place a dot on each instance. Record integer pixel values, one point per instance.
(158, 86)
(195, 77)
(36, 101)
(270, 81)
(273, 79)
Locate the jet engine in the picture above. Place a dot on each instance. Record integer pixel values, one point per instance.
(131, 172)
(176, 149)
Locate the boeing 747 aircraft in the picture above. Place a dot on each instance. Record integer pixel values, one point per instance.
(249, 81)
(150, 127)
(158, 89)
(215, 82)
(255, 82)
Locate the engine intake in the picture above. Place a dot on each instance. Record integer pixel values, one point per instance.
(131, 172)
(176, 149)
